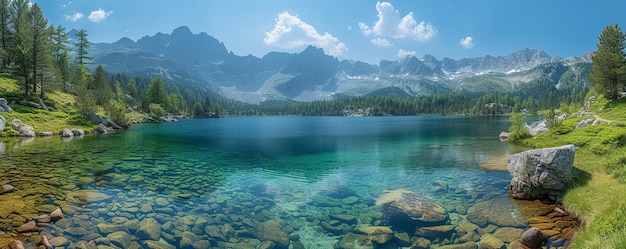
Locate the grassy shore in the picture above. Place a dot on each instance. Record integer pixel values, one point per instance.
(61, 114)
(597, 193)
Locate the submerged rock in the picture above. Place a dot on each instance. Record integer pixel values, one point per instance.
(28, 227)
(403, 204)
(500, 211)
(16, 244)
(542, 171)
(86, 196)
(272, 231)
(6, 188)
(57, 214)
(149, 229)
(378, 234)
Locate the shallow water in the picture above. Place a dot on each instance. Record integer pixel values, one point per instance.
(196, 176)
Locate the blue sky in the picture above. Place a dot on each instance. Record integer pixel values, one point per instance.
(363, 30)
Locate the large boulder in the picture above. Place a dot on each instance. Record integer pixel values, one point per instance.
(532, 238)
(4, 107)
(3, 122)
(403, 204)
(24, 129)
(101, 119)
(540, 172)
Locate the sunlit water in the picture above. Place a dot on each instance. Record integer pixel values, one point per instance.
(199, 175)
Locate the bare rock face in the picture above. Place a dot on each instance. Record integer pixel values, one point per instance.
(402, 204)
(542, 171)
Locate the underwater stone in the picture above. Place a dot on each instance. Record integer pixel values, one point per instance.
(400, 204)
(271, 230)
(499, 211)
(120, 238)
(355, 241)
(149, 229)
(6, 188)
(442, 231)
(28, 227)
(509, 234)
(44, 218)
(16, 244)
(378, 234)
(488, 241)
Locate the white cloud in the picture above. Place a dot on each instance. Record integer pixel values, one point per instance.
(99, 15)
(467, 42)
(381, 42)
(390, 24)
(290, 32)
(75, 17)
(404, 53)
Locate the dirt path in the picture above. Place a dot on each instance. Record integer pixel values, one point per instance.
(602, 119)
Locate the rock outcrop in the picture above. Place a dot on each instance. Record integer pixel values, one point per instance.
(101, 119)
(585, 122)
(23, 129)
(4, 107)
(537, 127)
(403, 204)
(540, 173)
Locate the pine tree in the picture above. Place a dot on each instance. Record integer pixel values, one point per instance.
(82, 56)
(60, 54)
(5, 31)
(40, 52)
(21, 46)
(609, 62)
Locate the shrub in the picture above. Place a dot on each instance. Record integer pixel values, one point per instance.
(156, 110)
(518, 130)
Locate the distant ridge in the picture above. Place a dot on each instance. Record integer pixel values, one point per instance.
(183, 57)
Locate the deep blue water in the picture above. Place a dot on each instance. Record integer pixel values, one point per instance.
(294, 169)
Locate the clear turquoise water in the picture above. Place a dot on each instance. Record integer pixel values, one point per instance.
(253, 169)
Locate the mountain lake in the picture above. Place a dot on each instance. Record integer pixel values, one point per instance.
(264, 182)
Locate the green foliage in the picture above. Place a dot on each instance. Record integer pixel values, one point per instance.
(609, 62)
(156, 110)
(116, 111)
(518, 128)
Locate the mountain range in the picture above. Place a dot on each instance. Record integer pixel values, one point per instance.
(186, 58)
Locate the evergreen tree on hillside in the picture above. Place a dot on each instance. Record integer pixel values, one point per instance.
(82, 56)
(5, 31)
(20, 50)
(609, 62)
(60, 54)
(40, 52)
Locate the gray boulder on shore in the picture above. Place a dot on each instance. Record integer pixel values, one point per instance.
(23, 129)
(542, 171)
(4, 107)
(3, 122)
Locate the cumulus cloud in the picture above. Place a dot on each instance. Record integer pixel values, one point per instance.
(99, 15)
(390, 24)
(381, 42)
(291, 32)
(404, 53)
(75, 17)
(467, 42)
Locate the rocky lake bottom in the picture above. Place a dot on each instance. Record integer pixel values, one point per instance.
(151, 187)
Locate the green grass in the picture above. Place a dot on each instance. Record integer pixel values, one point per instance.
(62, 114)
(597, 190)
